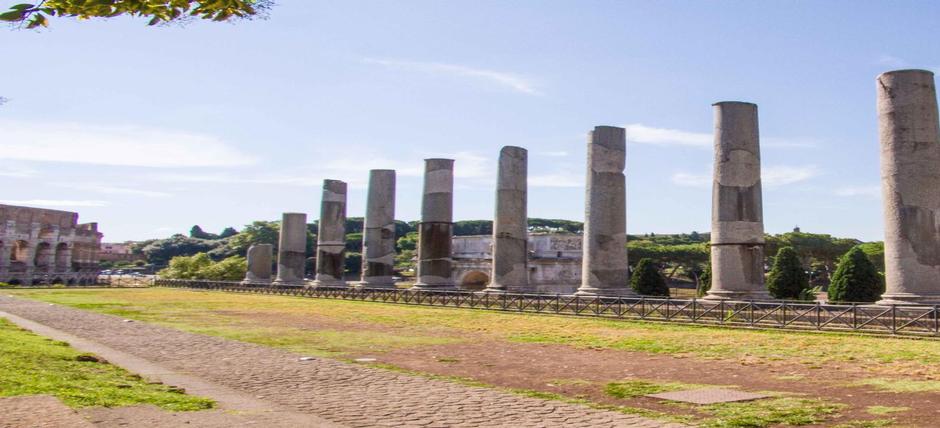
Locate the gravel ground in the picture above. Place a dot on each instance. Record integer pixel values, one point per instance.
(348, 394)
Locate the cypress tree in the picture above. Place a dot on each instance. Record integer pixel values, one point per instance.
(787, 278)
(856, 279)
(647, 280)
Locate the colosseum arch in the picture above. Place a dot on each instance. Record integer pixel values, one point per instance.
(474, 280)
(43, 255)
(19, 252)
(62, 257)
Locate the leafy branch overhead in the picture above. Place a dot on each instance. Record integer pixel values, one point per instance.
(34, 15)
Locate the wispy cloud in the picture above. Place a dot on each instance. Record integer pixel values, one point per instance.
(114, 145)
(13, 170)
(867, 191)
(54, 203)
(778, 175)
(642, 134)
(512, 81)
(112, 190)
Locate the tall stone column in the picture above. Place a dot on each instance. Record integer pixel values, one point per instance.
(604, 270)
(910, 177)
(291, 249)
(331, 235)
(436, 230)
(378, 239)
(737, 236)
(510, 229)
(259, 264)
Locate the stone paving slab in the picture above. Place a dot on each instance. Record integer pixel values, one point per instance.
(38, 411)
(708, 396)
(348, 394)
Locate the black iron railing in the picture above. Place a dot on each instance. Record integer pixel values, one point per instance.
(913, 320)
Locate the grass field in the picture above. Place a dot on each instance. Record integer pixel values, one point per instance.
(347, 329)
(33, 365)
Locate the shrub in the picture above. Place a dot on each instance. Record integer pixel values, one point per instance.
(787, 278)
(200, 266)
(647, 280)
(856, 279)
(5, 285)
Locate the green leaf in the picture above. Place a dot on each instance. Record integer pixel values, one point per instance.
(154, 21)
(12, 16)
(22, 6)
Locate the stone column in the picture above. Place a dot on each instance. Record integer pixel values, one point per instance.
(436, 230)
(378, 239)
(737, 236)
(259, 264)
(510, 229)
(604, 269)
(910, 177)
(291, 249)
(331, 235)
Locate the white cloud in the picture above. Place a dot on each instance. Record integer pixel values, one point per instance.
(512, 81)
(782, 175)
(55, 203)
(12, 170)
(691, 180)
(114, 145)
(642, 134)
(558, 154)
(868, 191)
(112, 190)
(777, 175)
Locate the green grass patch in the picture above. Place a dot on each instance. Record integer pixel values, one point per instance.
(33, 365)
(637, 388)
(769, 412)
(885, 410)
(873, 423)
(901, 385)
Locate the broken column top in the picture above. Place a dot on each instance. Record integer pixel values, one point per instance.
(335, 186)
(437, 204)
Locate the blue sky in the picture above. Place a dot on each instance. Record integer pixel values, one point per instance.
(151, 130)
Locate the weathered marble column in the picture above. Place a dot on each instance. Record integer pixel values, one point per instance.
(910, 177)
(259, 264)
(436, 230)
(604, 270)
(510, 228)
(737, 236)
(291, 249)
(378, 239)
(331, 235)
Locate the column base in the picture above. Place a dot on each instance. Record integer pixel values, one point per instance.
(326, 283)
(374, 284)
(738, 295)
(284, 283)
(908, 299)
(434, 287)
(605, 292)
(259, 282)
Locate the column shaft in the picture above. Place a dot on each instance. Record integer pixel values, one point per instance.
(292, 249)
(510, 227)
(331, 235)
(737, 236)
(435, 266)
(910, 174)
(378, 239)
(259, 264)
(604, 269)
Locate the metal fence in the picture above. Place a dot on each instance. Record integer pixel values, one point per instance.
(914, 320)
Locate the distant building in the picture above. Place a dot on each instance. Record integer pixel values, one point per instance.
(41, 246)
(118, 252)
(554, 262)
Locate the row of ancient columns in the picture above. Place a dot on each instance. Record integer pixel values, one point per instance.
(910, 146)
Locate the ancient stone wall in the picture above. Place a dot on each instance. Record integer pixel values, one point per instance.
(42, 246)
(554, 262)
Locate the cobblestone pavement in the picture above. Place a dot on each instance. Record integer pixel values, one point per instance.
(38, 411)
(348, 394)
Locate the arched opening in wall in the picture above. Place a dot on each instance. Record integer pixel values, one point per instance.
(71, 282)
(474, 280)
(62, 257)
(43, 255)
(57, 280)
(19, 253)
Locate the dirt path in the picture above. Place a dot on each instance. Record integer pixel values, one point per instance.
(344, 393)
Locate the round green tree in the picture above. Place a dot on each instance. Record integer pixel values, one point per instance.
(856, 279)
(647, 280)
(787, 278)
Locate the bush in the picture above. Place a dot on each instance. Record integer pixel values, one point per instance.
(200, 266)
(856, 279)
(787, 278)
(647, 280)
(5, 285)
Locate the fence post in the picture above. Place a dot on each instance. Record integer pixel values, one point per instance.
(894, 319)
(818, 315)
(936, 321)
